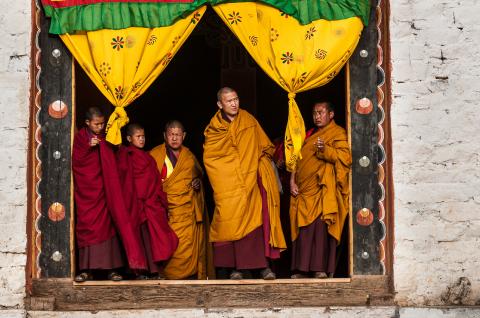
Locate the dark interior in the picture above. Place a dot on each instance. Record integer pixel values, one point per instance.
(211, 58)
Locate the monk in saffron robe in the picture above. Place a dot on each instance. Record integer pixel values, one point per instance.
(146, 201)
(181, 176)
(320, 196)
(98, 204)
(245, 228)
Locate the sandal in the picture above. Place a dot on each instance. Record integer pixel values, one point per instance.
(298, 276)
(321, 275)
(141, 277)
(114, 276)
(158, 276)
(236, 275)
(267, 274)
(82, 277)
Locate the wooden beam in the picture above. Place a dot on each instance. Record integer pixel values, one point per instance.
(207, 294)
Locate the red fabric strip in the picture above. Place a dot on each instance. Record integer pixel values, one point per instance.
(72, 3)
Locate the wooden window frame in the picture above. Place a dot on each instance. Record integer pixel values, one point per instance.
(49, 283)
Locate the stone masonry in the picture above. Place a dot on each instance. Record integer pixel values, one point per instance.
(15, 33)
(436, 154)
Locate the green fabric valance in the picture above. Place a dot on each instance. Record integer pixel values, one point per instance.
(70, 16)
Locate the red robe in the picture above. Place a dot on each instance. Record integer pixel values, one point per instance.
(146, 200)
(99, 200)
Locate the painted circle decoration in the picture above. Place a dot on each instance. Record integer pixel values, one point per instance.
(56, 212)
(364, 106)
(57, 109)
(364, 217)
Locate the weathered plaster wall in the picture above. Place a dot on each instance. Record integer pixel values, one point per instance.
(311, 312)
(14, 101)
(436, 151)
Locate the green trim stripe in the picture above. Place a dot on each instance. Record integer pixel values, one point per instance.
(120, 15)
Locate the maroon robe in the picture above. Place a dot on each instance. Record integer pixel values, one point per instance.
(248, 252)
(314, 250)
(146, 200)
(99, 201)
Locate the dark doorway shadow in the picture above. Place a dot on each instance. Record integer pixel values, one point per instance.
(212, 57)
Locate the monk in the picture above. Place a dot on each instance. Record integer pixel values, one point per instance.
(99, 247)
(319, 196)
(245, 229)
(146, 201)
(181, 176)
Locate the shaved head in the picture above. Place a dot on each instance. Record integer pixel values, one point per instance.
(130, 130)
(174, 124)
(93, 112)
(224, 90)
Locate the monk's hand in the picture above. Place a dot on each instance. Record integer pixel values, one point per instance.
(280, 163)
(94, 141)
(319, 145)
(196, 184)
(293, 189)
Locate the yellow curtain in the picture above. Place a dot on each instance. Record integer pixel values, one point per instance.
(123, 63)
(297, 57)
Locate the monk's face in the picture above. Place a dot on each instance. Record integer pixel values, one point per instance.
(174, 137)
(321, 115)
(229, 104)
(137, 139)
(96, 124)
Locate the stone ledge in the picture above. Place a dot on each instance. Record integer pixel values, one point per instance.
(318, 312)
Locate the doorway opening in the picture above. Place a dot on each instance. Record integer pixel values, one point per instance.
(212, 57)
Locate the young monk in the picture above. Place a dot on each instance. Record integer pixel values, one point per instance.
(181, 175)
(146, 201)
(98, 244)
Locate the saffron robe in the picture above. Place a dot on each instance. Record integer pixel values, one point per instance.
(235, 154)
(185, 214)
(99, 199)
(145, 199)
(322, 180)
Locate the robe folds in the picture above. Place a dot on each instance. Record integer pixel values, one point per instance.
(237, 154)
(322, 180)
(185, 214)
(145, 199)
(100, 208)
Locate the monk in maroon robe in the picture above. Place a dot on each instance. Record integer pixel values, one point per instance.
(97, 240)
(146, 201)
(245, 230)
(320, 191)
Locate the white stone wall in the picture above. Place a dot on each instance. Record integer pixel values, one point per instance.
(309, 312)
(436, 151)
(15, 35)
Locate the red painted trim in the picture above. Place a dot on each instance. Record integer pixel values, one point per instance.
(73, 3)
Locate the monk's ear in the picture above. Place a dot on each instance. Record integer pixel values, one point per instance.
(164, 136)
(331, 114)
(87, 122)
(184, 135)
(219, 104)
(129, 138)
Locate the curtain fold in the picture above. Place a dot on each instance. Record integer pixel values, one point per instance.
(124, 63)
(297, 57)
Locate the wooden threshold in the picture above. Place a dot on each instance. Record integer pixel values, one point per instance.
(211, 282)
(64, 295)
